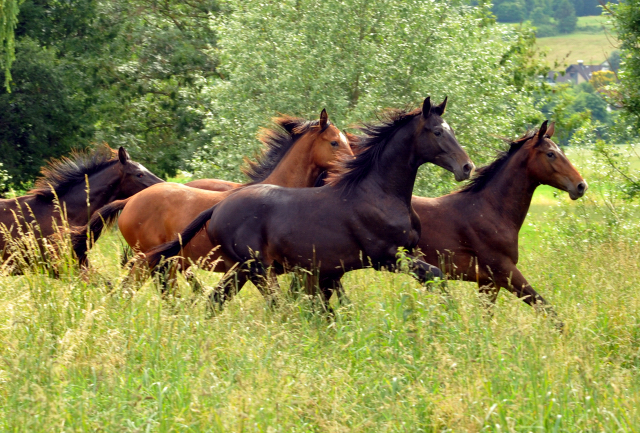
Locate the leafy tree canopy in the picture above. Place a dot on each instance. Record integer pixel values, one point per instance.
(356, 58)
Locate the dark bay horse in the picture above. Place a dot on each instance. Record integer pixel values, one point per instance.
(111, 175)
(473, 233)
(363, 216)
(295, 153)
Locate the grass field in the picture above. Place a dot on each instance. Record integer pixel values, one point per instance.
(82, 353)
(592, 42)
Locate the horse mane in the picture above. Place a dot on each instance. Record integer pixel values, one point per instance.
(63, 173)
(350, 171)
(484, 174)
(277, 142)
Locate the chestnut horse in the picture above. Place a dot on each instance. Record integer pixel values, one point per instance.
(363, 215)
(111, 176)
(296, 152)
(473, 233)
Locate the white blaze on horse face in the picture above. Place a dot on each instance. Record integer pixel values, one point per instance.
(446, 126)
(143, 169)
(343, 138)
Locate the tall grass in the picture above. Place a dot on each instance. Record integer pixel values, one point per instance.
(83, 353)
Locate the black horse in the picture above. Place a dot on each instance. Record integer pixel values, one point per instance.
(363, 216)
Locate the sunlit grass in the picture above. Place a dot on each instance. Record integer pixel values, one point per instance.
(85, 353)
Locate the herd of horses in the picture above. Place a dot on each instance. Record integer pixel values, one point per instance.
(319, 203)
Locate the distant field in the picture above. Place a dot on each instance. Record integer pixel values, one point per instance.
(590, 43)
(593, 48)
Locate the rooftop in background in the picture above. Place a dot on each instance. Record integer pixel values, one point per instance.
(578, 73)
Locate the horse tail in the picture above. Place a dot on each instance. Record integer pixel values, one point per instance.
(172, 248)
(106, 216)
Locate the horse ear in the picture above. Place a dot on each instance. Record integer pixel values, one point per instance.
(541, 132)
(324, 118)
(440, 109)
(426, 107)
(123, 156)
(551, 129)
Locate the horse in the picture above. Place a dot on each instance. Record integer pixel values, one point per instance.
(72, 189)
(473, 233)
(296, 153)
(363, 214)
(213, 184)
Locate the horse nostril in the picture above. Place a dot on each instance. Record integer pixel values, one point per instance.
(581, 187)
(467, 168)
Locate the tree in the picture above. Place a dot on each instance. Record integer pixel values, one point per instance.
(357, 57)
(626, 19)
(565, 15)
(8, 19)
(41, 118)
(128, 72)
(600, 79)
(509, 12)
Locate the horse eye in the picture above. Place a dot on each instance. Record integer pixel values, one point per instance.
(140, 175)
(551, 154)
(334, 143)
(438, 133)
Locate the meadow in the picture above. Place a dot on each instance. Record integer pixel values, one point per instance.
(592, 42)
(85, 352)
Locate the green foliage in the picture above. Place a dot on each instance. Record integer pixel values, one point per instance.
(4, 179)
(614, 60)
(574, 108)
(42, 117)
(127, 72)
(509, 12)
(550, 17)
(356, 58)
(9, 10)
(626, 18)
(151, 91)
(565, 15)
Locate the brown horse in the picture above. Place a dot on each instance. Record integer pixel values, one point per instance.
(213, 184)
(473, 233)
(363, 216)
(297, 152)
(111, 176)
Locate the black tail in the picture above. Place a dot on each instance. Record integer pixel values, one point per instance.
(103, 217)
(172, 248)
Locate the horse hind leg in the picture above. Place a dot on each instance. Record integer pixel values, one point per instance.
(230, 284)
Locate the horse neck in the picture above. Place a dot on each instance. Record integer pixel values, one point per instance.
(395, 172)
(511, 191)
(103, 189)
(297, 168)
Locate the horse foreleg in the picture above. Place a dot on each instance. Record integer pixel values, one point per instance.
(427, 274)
(327, 286)
(513, 280)
(342, 295)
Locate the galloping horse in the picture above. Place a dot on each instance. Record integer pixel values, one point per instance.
(213, 184)
(364, 214)
(110, 177)
(296, 152)
(473, 233)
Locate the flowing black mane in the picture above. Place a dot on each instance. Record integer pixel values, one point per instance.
(277, 142)
(62, 174)
(484, 174)
(350, 171)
